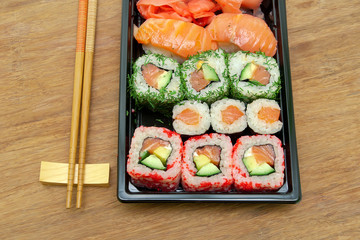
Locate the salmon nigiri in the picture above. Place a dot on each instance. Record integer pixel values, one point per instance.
(174, 38)
(235, 32)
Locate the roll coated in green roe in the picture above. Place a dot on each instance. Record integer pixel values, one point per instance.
(205, 76)
(253, 76)
(155, 82)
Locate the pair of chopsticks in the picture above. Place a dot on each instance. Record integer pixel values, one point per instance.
(85, 42)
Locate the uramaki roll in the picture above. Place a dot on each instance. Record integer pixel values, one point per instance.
(205, 76)
(253, 76)
(228, 116)
(154, 159)
(258, 163)
(191, 118)
(155, 82)
(207, 164)
(263, 116)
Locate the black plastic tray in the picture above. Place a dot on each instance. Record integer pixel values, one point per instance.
(290, 192)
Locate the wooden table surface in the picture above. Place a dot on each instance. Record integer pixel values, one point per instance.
(37, 53)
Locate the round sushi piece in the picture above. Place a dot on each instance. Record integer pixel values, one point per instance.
(154, 159)
(205, 76)
(253, 76)
(155, 82)
(228, 116)
(207, 163)
(191, 118)
(263, 116)
(258, 163)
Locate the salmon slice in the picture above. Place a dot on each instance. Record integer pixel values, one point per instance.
(251, 4)
(197, 80)
(189, 117)
(269, 114)
(261, 75)
(264, 153)
(151, 74)
(151, 144)
(247, 32)
(212, 152)
(230, 6)
(230, 114)
(181, 38)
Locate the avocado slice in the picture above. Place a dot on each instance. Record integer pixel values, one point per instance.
(263, 169)
(209, 73)
(208, 170)
(153, 162)
(162, 153)
(248, 71)
(253, 166)
(250, 163)
(164, 79)
(201, 160)
(143, 155)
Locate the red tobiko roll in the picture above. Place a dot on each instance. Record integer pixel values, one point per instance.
(206, 165)
(258, 163)
(154, 159)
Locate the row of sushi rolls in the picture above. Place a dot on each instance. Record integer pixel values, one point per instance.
(211, 64)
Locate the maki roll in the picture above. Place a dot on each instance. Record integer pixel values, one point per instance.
(191, 118)
(207, 163)
(205, 76)
(253, 75)
(228, 116)
(258, 163)
(155, 82)
(154, 160)
(263, 116)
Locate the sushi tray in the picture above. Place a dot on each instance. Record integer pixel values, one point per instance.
(205, 103)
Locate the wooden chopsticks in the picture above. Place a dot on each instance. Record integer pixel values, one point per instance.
(81, 96)
(85, 106)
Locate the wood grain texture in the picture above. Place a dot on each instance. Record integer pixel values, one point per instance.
(37, 53)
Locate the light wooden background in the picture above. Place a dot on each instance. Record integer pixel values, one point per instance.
(37, 52)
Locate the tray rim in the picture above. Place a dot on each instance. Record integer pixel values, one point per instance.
(293, 196)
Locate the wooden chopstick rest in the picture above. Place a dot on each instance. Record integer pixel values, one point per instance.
(57, 174)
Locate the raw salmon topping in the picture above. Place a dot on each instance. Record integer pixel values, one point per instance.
(189, 117)
(247, 32)
(261, 75)
(151, 144)
(197, 80)
(264, 153)
(212, 152)
(230, 114)
(181, 38)
(151, 74)
(269, 114)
